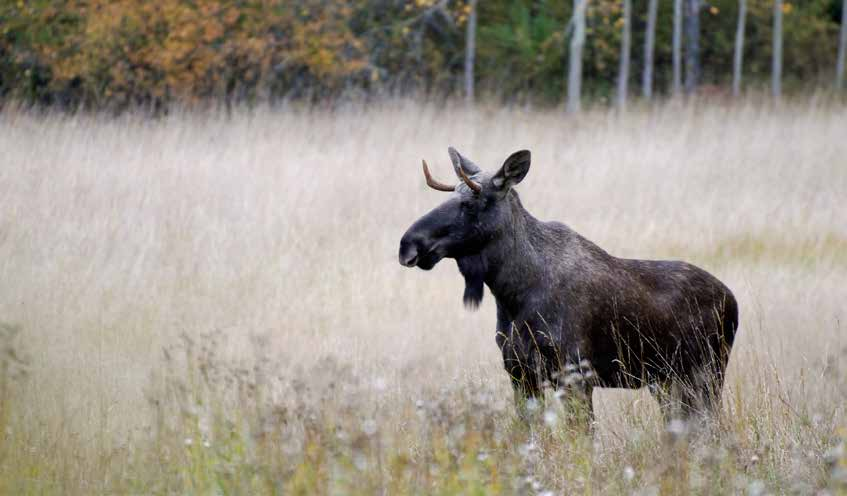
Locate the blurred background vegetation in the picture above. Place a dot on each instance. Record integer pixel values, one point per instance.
(126, 53)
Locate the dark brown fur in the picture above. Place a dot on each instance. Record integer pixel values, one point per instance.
(571, 314)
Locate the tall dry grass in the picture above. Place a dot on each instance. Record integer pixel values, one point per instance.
(204, 303)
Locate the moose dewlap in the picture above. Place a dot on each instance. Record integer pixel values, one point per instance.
(569, 313)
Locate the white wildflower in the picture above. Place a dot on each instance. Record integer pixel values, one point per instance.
(551, 418)
(369, 427)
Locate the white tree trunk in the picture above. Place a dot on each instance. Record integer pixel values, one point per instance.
(575, 62)
(692, 46)
(470, 53)
(623, 70)
(842, 48)
(776, 69)
(677, 47)
(738, 59)
(649, 41)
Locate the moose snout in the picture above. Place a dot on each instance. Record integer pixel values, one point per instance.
(408, 252)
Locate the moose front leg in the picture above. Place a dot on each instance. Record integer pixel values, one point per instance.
(520, 363)
(526, 383)
(579, 405)
(574, 384)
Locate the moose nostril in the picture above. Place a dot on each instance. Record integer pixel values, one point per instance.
(409, 259)
(408, 255)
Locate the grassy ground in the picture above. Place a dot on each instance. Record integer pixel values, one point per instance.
(203, 305)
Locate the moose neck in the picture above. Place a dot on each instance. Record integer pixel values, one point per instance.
(513, 261)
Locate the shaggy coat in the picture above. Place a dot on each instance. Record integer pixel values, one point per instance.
(569, 314)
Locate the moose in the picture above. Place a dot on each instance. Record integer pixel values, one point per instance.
(570, 315)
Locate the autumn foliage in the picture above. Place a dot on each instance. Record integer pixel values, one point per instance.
(117, 53)
(138, 51)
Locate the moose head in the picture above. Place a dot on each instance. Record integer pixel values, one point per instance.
(477, 213)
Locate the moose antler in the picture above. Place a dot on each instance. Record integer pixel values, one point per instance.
(432, 183)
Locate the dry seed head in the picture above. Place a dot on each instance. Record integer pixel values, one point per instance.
(551, 418)
(677, 427)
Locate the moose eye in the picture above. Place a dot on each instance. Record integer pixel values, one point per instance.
(470, 205)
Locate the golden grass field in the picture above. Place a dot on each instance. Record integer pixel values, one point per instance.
(212, 304)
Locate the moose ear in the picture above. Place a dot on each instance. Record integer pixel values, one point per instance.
(513, 171)
(460, 160)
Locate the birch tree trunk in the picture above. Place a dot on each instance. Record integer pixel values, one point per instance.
(677, 47)
(623, 70)
(738, 59)
(776, 69)
(649, 41)
(470, 53)
(842, 48)
(575, 62)
(692, 46)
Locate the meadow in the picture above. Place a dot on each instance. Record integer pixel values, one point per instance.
(207, 303)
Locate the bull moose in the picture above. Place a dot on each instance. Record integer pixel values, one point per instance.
(569, 314)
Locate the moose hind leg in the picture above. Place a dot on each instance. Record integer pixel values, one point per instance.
(666, 396)
(706, 389)
(695, 399)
